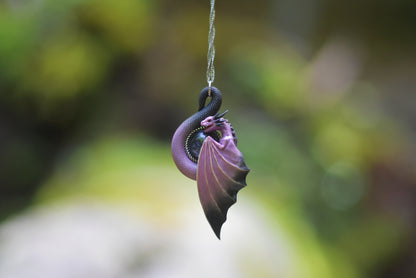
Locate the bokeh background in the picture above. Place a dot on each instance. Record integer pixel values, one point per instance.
(320, 92)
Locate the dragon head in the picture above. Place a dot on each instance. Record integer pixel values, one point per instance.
(213, 123)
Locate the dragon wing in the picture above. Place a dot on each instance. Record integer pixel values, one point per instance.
(221, 173)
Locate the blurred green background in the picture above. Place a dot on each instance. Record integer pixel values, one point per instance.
(321, 94)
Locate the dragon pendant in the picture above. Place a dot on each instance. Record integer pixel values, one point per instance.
(204, 148)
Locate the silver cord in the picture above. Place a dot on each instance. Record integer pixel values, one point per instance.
(211, 48)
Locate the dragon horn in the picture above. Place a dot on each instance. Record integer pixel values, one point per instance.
(221, 115)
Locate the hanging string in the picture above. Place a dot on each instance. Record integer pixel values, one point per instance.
(211, 48)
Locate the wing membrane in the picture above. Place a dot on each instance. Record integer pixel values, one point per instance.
(221, 173)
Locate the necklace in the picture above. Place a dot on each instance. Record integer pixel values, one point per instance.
(204, 148)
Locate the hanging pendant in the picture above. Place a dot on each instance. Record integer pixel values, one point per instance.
(204, 148)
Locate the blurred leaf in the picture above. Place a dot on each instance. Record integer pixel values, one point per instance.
(128, 25)
(17, 36)
(65, 67)
(273, 73)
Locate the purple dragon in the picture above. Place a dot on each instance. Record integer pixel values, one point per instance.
(204, 148)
